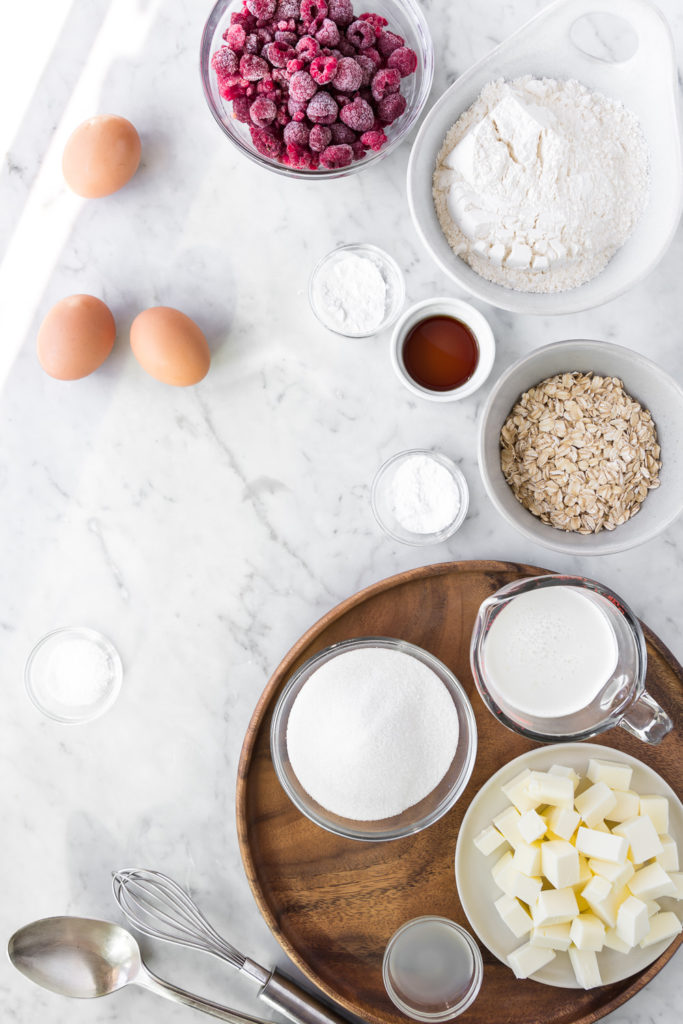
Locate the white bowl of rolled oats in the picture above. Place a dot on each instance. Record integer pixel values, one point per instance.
(581, 447)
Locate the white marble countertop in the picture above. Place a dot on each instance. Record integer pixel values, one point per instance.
(205, 529)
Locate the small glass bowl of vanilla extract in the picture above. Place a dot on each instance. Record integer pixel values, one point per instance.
(442, 349)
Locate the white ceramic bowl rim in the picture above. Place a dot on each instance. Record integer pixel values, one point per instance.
(468, 315)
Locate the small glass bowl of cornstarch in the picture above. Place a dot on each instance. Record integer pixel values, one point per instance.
(356, 290)
(373, 739)
(419, 497)
(73, 674)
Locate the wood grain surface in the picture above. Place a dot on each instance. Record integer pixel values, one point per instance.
(333, 903)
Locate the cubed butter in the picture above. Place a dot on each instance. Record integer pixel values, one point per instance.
(545, 788)
(613, 941)
(616, 874)
(651, 882)
(565, 772)
(662, 926)
(595, 803)
(552, 936)
(676, 878)
(527, 859)
(560, 863)
(627, 805)
(488, 840)
(528, 959)
(613, 774)
(587, 932)
(586, 970)
(514, 915)
(602, 845)
(652, 906)
(532, 826)
(642, 837)
(563, 821)
(668, 858)
(554, 906)
(633, 922)
(507, 824)
(501, 865)
(657, 810)
(604, 899)
(515, 791)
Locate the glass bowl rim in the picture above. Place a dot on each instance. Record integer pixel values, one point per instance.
(423, 539)
(384, 257)
(468, 732)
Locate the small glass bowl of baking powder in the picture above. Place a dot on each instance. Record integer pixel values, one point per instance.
(419, 497)
(356, 290)
(73, 674)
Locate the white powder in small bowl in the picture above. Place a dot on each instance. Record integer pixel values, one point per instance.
(372, 732)
(424, 496)
(350, 294)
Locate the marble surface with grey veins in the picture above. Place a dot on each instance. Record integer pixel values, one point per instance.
(205, 529)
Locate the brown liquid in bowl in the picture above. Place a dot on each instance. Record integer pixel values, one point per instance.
(440, 353)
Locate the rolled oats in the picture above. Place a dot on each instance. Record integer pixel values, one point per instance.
(580, 453)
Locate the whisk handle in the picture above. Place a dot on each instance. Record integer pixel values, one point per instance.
(301, 1007)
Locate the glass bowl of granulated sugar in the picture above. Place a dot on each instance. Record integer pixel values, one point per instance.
(373, 739)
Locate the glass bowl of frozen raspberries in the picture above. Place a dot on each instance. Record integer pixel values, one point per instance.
(316, 88)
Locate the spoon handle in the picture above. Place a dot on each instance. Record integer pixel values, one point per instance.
(152, 983)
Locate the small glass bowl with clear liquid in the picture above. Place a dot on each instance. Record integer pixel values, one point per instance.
(432, 969)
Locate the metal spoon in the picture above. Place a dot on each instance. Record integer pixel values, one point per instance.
(78, 957)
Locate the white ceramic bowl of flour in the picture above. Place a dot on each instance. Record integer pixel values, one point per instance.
(647, 383)
(646, 84)
(373, 739)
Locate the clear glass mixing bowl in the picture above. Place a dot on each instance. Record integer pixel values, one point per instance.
(405, 17)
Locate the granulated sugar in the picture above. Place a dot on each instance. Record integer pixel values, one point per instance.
(371, 733)
(540, 182)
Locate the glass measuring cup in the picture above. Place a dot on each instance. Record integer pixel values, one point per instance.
(622, 698)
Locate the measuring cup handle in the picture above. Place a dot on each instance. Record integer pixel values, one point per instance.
(646, 720)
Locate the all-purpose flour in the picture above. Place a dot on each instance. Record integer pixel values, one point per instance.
(540, 182)
(371, 733)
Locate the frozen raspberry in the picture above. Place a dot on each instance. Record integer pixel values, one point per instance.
(240, 109)
(336, 156)
(308, 48)
(231, 88)
(283, 117)
(386, 81)
(262, 9)
(294, 65)
(404, 59)
(341, 11)
(288, 38)
(280, 76)
(328, 33)
(374, 139)
(358, 150)
(252, 44)
(341, 98)
(313, 11)
(299, 157)
(224, 62)
(236, 37)
(348, 76)
(342, 134)
(262, 111)
(302, 86)
(346, 48)
(323, 69)
(243, 18)
(264, 35)
(374, 56)
(376, 20)
(296, 134)
(266, 143)
(360, 34)
(287, 9)
(322, 109)
(358, 115)
(277, 54)
(319, 137)
(391, 107)
(265, 87)
(387, 42)
(253, 68)
(367, 66)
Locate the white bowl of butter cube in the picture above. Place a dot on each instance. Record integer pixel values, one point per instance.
(582, 842)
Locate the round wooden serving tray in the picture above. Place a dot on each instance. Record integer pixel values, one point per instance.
(333, 903)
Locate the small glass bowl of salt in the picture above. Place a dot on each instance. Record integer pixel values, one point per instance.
(419, 497)
(356, 290)
(73, 674)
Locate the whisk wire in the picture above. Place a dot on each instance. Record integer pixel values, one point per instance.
(157, 906)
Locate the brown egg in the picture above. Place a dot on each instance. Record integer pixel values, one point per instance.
(100, 156)
(170, 346)
(76, 337)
